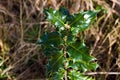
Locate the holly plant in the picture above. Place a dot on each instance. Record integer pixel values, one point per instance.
(68, 55)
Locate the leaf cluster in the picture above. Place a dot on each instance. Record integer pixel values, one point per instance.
(66, 52)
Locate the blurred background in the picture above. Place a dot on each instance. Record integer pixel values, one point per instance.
(22, 22)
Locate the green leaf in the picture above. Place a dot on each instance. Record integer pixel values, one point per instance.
(82, 21)
(50, 43)
(76, 75)
(79, 57)
(50, 38)
(65, 12)
(55, 63)
(93, 66)
(82, 66)
(56, 18)
(59, 75)
(54, 44)
(79, 52)
(3, 77)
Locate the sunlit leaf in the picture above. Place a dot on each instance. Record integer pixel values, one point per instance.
(56, 18)
(79, 51)
(66, 52)
(75, 75)
(93, 66)
(82, 21)
(80, 59)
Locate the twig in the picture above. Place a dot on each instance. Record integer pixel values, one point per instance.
(102, 73)
(21, 22)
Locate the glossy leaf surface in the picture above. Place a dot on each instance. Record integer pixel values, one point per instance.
(82, 21)
(75, 75)
(56, 18)
(67, 52)
(50, 43)
(80, 58)
(79, 52)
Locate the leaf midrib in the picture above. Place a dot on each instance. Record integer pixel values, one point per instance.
(76, 20)
(58, 19)
(76, 49)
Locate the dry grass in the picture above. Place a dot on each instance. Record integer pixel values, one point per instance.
(22, 22)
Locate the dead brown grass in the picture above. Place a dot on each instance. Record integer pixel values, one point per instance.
(23, 21)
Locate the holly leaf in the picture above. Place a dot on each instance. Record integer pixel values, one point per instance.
(59, 75)
(56, 18)
(80, 59)
(50, 43)
(79, 52)
(76, 75)
(82, 21)
(55, 63)
(83, 66)
(93, 66)
(65, 12)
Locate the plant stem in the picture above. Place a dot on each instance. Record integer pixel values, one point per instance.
(66, 75)
(65, 66)
(65, 55)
